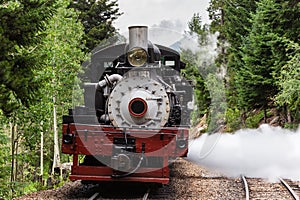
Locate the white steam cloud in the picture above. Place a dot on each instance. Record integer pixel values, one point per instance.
(175, 25)
(267, 152)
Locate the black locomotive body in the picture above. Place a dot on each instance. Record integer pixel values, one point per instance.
(135, 117)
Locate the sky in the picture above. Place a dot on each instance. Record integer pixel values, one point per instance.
(171, 14)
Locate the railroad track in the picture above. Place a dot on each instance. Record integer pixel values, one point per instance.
(98, 195)
(247, 193)
(293, 188)
(95, 196)
(258, 189)
(145, 197)
(188, 181)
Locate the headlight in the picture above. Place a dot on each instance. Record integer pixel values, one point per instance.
(137, 57)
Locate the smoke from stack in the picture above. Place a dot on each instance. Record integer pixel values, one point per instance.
(267, 152)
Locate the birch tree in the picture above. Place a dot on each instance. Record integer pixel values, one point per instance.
(62, 47)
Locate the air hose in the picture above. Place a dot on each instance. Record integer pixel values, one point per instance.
(131, 172)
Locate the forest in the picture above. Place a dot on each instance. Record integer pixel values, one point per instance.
(253, 79)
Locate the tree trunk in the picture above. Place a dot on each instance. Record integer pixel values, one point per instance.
(56, 156)
(16, 158)
(265, 114)
(243, 118)
(13, 171)
(289, 116)
(12, 176)
(42, 153)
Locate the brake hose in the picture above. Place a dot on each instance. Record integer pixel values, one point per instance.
(129, 173)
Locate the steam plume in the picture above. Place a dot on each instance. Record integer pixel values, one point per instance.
(266, 152)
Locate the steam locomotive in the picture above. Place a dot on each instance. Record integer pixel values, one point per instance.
(136, 114)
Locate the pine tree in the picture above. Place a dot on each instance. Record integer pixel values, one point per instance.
(230, 19)
(191, 72)
(257, 34)
(196, 27)
(97, 18)
(62, 55)
(21, 31)
(262, 54)
(236, 27)
(289, 84)
(217, 16)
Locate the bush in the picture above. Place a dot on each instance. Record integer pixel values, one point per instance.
(232, 117)
(253, 120)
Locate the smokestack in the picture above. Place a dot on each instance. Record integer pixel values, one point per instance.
(138, 37)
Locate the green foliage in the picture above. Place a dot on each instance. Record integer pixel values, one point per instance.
(4, 161)
(31, 187)
(255, 82)
(61, 55)
(21, 31)
(264, 54)
(97, 18)
(22, 188)
(202, 31)
(58, 77)
(293, 126)
(237, 22)
(236, 28)
(62, 47)
(40, 59)
(232, 116)
(209, 86)
(216, 15)
(254, 44)
(231, 20)
(254, 118)
(289, 80)
(191, 72)
(218, 104)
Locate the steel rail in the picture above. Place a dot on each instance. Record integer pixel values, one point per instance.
(94, 196)
(288, 187)
(145, 197)
(246, 187)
